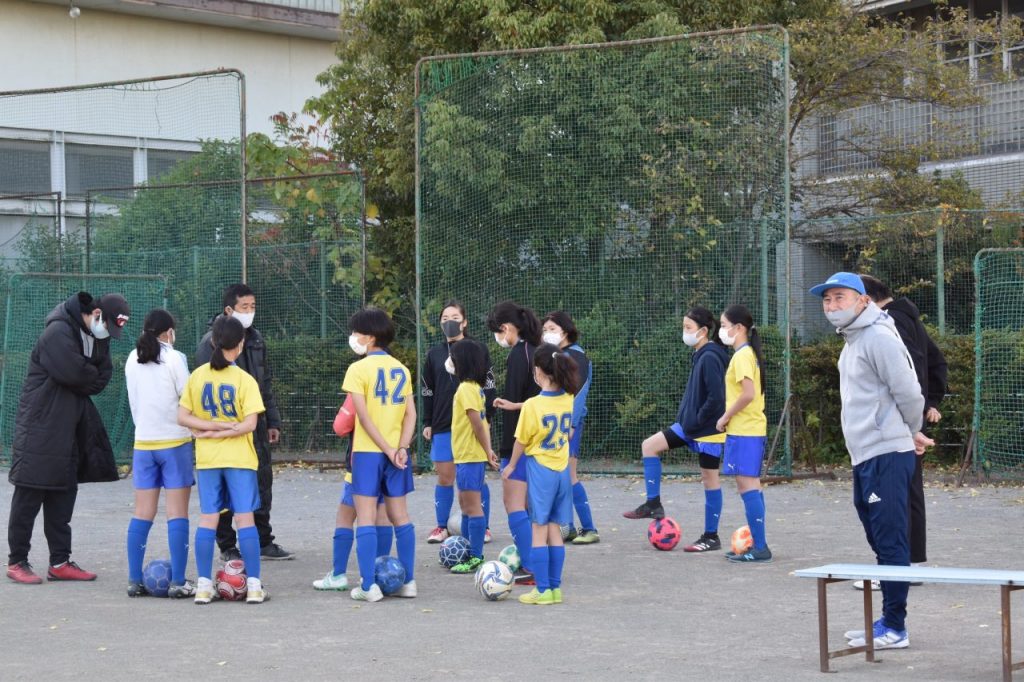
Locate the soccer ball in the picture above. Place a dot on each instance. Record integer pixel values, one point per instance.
(510, 557)
(494, 580)
(455, 523)
(664, 533)
(231, 581)
(156, 577)
(742, 540)
(454, 550)
(389, 574)
(566, 530)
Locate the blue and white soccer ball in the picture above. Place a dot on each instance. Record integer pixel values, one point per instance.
(156, 577)
(454, 550)
(494, 580)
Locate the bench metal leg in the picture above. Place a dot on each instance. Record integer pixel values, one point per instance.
(1008, 665)
(824, 655)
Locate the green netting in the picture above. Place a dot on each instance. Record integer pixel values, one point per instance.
(999, 380)
(622, 183)
(30, 298)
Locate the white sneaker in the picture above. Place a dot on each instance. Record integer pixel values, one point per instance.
(859, 585)
(372, 594)
(332, 582)
(204, 591)
(890, 639)
(407, 590)
(878, 626)
(255, 592)
(487, 536)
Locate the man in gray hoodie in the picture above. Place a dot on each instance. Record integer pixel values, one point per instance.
(882, 410)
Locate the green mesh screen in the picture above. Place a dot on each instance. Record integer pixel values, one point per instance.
(999, 379)
(30, 298)
(622, 183)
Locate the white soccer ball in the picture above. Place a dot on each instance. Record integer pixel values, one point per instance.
(494, 581)
(455, 523)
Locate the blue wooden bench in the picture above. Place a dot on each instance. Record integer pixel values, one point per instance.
(1008, 581)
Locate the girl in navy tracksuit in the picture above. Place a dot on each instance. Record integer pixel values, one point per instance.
(695, 427)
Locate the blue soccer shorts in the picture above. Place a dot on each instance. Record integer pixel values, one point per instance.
(229, 488)
(549, 493)
(163, 468)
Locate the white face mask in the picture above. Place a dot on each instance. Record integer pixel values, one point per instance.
(500, 340)
(554, 338)
(693, 339)
(98, 328)
(449, 366)
(357, 348)
(245, 318)
(724, 336)
(842, 318)
(170, 338)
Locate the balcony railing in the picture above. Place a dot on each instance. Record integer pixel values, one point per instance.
(327, 6)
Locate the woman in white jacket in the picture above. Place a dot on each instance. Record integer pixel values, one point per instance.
(163, 457)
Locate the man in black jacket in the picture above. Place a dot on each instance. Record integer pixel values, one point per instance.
(240, 302)
(59, 437)
(930, 366)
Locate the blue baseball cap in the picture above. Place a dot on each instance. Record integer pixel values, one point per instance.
(840, 280)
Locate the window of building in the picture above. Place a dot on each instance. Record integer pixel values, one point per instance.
(160, 161)
(90, 167)
(24, 167)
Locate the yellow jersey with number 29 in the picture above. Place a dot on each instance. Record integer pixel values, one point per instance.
(384, 383)
(224, 395)
(545, 425)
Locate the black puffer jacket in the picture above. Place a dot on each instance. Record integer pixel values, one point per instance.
(59, 437)
(929, 362)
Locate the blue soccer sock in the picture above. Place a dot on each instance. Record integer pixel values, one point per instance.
(652, 477)
(485, 501)
(540, 560)
(384, 535)
(205, 540)
(522, 534)
(366, 554)
(405, 542)
(753, 503)
(712, 509)
(582, 504)
(249, 546)
(177, 544)
(444, 496)
(476, 536)
(343, 540)
(556, 560)
(138, 533)
(464, 527)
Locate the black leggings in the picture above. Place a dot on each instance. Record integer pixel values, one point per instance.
(57, 505)
(918, 526)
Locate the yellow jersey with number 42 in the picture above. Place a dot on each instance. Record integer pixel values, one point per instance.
(384, 383)
(225, 395)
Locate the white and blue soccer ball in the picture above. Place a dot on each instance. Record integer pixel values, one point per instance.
(494, 580)
(156, 577)
(454, 550)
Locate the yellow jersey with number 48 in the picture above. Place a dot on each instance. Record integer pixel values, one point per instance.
(384, 383)
(224, 395)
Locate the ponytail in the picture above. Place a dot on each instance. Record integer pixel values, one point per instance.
(705, 318)
(157, 322)
(228, 333)
(559, 365)
(739, 314)
(523, 319)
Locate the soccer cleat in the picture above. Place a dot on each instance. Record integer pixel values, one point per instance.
(22, 573)
(885, 638)
(524, 577)
(69, 570)
(408, 590)
(487, 536)
(646, 511)
(859, 585)
(557, 595)
(539, 598)
(468, 566)
(878, 625)
(137, 590)
(437, 535)
(186, 589)
(332, 582)
(275, 552)
(751, 556)
(205, 591)
(586, 537)
(708, 542)
(230, 554)
(372, 594)
(255, 593)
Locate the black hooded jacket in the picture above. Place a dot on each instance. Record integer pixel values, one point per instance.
(929, 362)
(59, 437)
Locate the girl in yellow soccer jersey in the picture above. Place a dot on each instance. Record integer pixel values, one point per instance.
(221, 404)
(542, 435)
(381, 390)
(745, 424)
(471, 443)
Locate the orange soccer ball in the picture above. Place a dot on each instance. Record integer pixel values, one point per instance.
(742, 540)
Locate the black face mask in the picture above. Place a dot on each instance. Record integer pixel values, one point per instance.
(451, 328)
